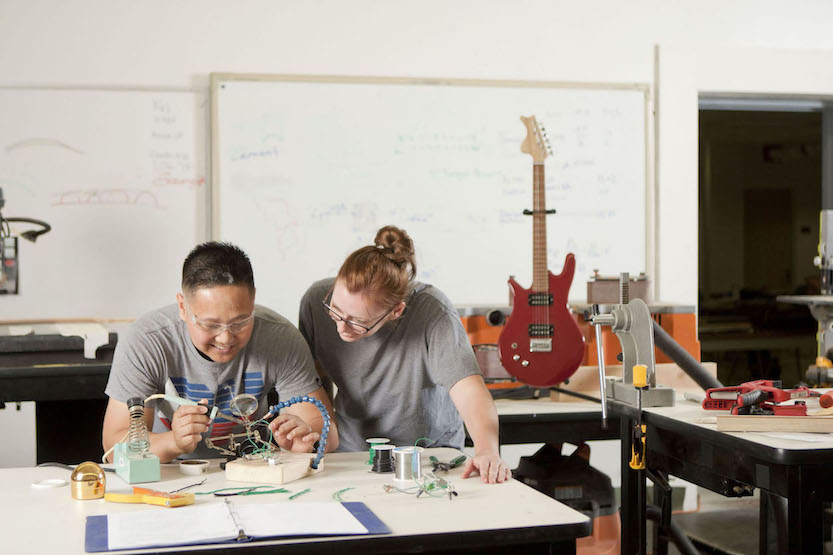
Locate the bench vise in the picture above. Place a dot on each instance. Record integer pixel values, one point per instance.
(633, 326)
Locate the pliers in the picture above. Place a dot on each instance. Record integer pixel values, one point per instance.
(446, 465)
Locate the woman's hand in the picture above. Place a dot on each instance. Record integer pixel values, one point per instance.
(490, 466)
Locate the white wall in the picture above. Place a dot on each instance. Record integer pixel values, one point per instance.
(747, 46)
(17, 428)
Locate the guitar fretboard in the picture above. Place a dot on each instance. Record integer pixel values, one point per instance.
(540, 282)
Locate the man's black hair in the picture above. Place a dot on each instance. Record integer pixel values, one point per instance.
(213, 263)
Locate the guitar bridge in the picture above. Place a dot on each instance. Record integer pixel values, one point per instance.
(540, 345)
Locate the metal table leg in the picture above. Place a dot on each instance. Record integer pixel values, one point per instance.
(632, 509)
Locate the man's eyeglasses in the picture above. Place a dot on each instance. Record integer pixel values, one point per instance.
(217, 328)
(361, 329)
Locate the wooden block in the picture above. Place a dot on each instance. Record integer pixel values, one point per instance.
(759, 423)
(292, 466)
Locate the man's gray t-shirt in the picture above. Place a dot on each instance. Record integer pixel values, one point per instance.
(157, 356)
(395, 382)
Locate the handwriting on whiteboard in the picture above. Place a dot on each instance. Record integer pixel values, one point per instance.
(133, 197)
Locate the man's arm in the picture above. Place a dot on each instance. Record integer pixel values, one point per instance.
(187, 425)
(475, 405)
(305, 433)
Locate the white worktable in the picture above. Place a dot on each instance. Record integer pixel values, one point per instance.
(51, 521)
(692, 413)
(683, 441)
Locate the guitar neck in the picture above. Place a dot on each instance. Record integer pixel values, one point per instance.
(540, 281)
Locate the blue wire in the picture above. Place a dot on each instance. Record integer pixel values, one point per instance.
(322, 445)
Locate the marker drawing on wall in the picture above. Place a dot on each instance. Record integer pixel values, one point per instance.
(41, 141)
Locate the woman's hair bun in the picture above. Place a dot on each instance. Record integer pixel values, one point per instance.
(395, 244)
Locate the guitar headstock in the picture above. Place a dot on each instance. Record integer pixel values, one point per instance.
(536, 143)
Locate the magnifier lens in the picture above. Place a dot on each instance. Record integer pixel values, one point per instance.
(243, 405)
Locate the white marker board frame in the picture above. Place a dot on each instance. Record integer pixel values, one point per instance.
(305, 169)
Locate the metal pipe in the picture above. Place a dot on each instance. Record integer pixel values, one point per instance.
(684, 360)
(680, 539)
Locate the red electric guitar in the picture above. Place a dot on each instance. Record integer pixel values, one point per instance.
(541, 343)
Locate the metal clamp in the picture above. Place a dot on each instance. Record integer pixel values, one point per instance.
(633, 326)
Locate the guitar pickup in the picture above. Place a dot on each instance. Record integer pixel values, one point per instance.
(540, 330)
(540, 345)
(540, 299)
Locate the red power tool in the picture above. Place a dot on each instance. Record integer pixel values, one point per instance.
(758, 397)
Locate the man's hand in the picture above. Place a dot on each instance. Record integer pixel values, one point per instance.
(293, 434)
(188, 423)
(491, 468)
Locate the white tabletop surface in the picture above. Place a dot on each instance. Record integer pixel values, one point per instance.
(544, 406)
(683, 410)
(693, 413)
(51, 521)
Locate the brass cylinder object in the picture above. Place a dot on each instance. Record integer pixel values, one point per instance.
(88, 481)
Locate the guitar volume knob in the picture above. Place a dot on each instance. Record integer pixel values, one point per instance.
(516, 357)
(524, 363)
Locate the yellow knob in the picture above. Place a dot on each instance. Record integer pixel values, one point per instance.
(640, 375)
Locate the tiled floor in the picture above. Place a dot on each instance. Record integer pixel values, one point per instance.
(726, 525)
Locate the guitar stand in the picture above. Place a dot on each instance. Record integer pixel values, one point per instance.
(533, 212)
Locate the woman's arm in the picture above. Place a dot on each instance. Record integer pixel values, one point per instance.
(475, 405)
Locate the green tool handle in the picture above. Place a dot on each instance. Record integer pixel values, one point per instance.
(212, 409)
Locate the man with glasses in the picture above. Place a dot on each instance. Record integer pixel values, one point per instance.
(209, 347)
(399, 356)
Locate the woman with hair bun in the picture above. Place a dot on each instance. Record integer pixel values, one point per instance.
(399, 356)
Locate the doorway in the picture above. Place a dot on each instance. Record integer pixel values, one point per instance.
(760, 198)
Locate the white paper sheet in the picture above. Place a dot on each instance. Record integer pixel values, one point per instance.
(214, 522)
(162, 527)
(298, 519)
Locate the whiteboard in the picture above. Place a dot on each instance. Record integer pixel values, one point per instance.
(306, 171)
(121, 178)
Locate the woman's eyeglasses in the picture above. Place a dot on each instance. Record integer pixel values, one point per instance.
(361, 329)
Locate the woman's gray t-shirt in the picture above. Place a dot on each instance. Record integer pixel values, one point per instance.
(395, 382)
